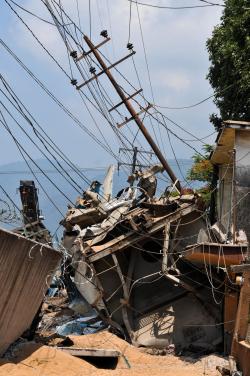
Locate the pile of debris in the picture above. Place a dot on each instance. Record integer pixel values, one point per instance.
(129, 260)
(152, 269)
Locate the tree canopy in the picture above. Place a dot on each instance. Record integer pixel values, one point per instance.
(229, 54)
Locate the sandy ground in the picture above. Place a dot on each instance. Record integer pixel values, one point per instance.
(30, 359)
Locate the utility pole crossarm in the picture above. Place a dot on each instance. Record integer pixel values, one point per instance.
(104, 70)
(133, 113)
(132, 118)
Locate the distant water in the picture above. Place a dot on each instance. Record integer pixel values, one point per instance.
(11, 174)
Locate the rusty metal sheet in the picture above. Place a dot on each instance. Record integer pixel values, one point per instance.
(25, 269)
(216, 254)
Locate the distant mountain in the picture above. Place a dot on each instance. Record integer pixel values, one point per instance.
(11, 174)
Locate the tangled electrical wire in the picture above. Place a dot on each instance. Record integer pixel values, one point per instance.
(8, 213)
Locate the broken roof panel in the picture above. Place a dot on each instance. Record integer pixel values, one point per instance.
(225, 141)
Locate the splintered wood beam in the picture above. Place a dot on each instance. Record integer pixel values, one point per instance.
(122, 102)
(127, 240)
(105, 70)
(87, 53)
(133, 117)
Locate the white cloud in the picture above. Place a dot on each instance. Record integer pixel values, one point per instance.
(175, 80)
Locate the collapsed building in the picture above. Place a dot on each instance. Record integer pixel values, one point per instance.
(156, 268)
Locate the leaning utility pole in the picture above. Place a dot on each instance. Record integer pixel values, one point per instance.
(125, 100)
(127, 103)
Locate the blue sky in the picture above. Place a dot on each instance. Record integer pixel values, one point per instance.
(178, 63)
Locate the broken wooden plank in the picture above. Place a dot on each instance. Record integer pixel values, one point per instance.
(127, 240)
(79, 351)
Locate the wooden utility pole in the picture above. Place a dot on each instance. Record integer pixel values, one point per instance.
(133, 113)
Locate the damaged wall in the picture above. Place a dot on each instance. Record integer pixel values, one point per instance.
(224, 198)
(242, 142)
(25, 270)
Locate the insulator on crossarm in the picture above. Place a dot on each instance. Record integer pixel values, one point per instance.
(73, 54)
(130, 46)
(92, 70)
(73, 81)
(104, 33)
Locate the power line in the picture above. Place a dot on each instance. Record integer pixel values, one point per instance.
(129, 22)
(148, 73)
(168, 118)
(173, 122)
(78, 14)
(22, 151)
(38, 41)
(195, 104)
(4, 123)
(106, 118)
(32, 14)
(49, 171)
(70, 19)
(110, 25)
(178, 137)
(170, 7)
(182, 128)
(212, 3)
(79, 189)
(100, 109)
(51, 143)
(90, 19)
(57, 101)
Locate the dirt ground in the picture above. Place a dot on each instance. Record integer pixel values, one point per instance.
(30, 359)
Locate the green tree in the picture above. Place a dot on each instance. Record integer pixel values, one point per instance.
(229, 54)
(202, 169)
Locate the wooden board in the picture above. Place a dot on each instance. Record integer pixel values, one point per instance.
(78, 351)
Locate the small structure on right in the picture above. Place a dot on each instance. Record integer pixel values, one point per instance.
(231, 160)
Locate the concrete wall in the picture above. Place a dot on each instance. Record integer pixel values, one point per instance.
(242, 186)
(24, 267)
